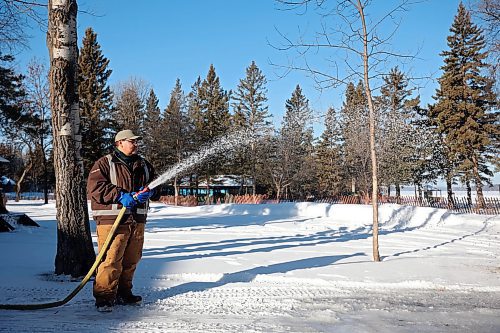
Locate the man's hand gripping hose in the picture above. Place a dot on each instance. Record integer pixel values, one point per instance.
(143, 195)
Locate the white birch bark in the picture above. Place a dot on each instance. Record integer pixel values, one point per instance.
(75, 253)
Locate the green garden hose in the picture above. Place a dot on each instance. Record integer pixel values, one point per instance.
(84, 281)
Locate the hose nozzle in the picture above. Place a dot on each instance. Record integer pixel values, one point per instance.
(145, 189)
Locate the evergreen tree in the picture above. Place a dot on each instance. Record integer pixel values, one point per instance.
(11, 92)
(214, 107)
(465, 99)
(153, 134)
(95, 100)
(195, 113)
(329, 159)
(397, 140)
(355, 131)
(295, 145)
(251, 113)
(176, 130)
(428, 160)
(196, 123)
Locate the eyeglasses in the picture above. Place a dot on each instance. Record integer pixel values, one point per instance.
(134, 142)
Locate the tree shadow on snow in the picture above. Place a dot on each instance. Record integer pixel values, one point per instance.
(267, 244)
(485, 225)
(250, 274)
(405, 214)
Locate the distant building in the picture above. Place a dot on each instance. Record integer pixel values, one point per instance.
(219, 186)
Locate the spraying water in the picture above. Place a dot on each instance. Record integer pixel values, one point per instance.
(221, 145)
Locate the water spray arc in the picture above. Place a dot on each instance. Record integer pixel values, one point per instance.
(223, 144)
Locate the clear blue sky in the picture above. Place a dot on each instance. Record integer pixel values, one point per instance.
(160, 41)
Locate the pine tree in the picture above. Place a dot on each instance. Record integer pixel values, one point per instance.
(177, 130)
(355, 131)
(397, 140)
(11, 92)
(428, 160)
(465, 99)
(251, 114)
(195, 115)
(329, 159)
(214, 107)
(295, 145)
(195, 120)
(95, 100)
(153, 133)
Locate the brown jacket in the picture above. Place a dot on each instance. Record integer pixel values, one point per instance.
(103, 194)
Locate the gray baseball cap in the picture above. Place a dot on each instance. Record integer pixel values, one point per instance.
(126, 134)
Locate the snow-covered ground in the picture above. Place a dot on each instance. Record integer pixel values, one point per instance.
(273, 268)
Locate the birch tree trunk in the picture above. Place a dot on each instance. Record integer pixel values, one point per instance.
(75, 252)
(376, 255)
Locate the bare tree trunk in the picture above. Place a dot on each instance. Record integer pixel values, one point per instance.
(176, 192)
(376, 255)
(207, 197)
(469, 192)
(3, 201)
(45, 175)
(449, 190)
(75, 252)
(479, 184)
(20, 181)
(254, 168)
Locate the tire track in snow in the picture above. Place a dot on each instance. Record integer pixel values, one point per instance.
(259, 307)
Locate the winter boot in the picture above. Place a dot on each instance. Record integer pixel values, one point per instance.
(104, 306)
(128, 299)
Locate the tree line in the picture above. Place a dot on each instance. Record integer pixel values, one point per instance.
(455, 139)
(57, 132)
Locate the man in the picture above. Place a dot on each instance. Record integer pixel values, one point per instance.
(113, 181)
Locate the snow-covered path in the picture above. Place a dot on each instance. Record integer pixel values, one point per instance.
(275, 307)
(275, 268)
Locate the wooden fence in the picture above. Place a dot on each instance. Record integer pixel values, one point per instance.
(490, 206)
